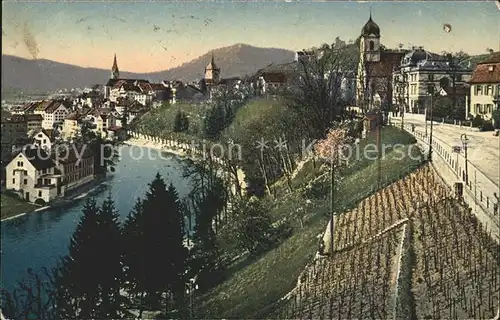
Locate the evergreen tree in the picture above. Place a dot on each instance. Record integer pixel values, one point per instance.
(135, 253)
(88, 280)
(155, 255)
(214, 122)
(178, 122)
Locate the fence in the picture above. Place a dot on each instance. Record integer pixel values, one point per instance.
(479, 191)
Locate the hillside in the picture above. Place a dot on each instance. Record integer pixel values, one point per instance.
(44, 75)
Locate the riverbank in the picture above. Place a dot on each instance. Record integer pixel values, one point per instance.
(16, 208)
(180, 151)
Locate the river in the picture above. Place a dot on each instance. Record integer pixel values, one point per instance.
(40, 239)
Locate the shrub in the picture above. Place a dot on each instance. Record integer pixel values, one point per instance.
(486, 126)
(477, 121)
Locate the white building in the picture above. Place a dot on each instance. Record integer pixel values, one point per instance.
(41, 177)
(42, 139)
(420, 70)
(485, 88)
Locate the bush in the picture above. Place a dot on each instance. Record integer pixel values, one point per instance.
(477, 121)
(40, 202)
(486, 126)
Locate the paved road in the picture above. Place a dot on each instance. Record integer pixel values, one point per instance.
(483, 148)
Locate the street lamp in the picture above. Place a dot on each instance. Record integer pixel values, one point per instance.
(465, 140)
(430, 89)
(191, 287)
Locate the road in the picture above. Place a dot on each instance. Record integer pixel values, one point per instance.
(483, 147)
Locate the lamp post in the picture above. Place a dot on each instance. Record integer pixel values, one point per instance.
(430, 89)
(332, 169)
(465, 140)
(191, 287)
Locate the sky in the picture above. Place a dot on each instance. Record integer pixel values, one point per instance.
(152, 36)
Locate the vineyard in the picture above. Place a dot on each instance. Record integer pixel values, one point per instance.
(408, 251)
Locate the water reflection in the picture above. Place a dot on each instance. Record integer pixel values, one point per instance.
(40, 239)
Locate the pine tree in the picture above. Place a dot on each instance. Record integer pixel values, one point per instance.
(89, 278)
(178, 122)
(110, 276)
(135, 252)
(155, 255)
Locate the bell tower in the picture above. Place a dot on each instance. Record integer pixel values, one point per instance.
(370, 41)
(115, 73)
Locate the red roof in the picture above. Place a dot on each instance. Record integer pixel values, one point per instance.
(486, 73)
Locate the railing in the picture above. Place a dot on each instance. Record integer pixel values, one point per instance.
(480, 188)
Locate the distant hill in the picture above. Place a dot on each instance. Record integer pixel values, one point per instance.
(19, 74)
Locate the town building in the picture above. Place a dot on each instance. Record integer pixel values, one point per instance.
(421, 72)
(141, 90)
(41, 177)
(43, 139)
(375, 70)
(212, 73)
(33, 174)
(485, 88)
(13, 131)
(33, 122)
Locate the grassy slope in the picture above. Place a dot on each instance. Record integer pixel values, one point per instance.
(252, 291)
(11, 206)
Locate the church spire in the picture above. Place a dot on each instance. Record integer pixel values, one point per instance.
(370, 12)
(115, 73)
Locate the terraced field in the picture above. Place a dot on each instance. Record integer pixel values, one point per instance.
(409, 251)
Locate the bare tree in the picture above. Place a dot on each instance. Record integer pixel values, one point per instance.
(315, 91)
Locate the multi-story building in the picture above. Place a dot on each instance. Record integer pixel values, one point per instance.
(33, 122)
(420, 72)
(13, 131)
(485, 88)
(41, 177)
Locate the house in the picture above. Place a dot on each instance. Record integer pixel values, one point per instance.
(43, 139)
(76, 164)
(53, 112)
(13, 130)
(421, 71)
(33, 122)
(34, 175)
(485, 88)
(41, 177)
(375, 70)
(71, 125)
(273, 77)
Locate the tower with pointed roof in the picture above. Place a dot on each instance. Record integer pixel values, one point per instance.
(212, 72)
(115, 73)
(370, 41)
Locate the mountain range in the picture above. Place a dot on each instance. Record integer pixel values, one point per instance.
(20, 74)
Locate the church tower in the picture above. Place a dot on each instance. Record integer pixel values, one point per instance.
(370, 41)
(369, 50)
(115, 73)
(212, 73)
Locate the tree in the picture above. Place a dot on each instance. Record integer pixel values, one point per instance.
(93, 287)
(456, 62)
(496, 118)
(155, 254)
(315, 90)
(214, 122)
(250, 226)
(181, 122)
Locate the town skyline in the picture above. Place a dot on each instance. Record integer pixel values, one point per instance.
(89, 34)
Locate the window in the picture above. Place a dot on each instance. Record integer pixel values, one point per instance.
(25, 181)
(21, 164)
(13, 181)
(477, 108)
(44, 141)
(372, 45)
(458, 77)
(39, 193)
(431, 77)
(489, 90)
